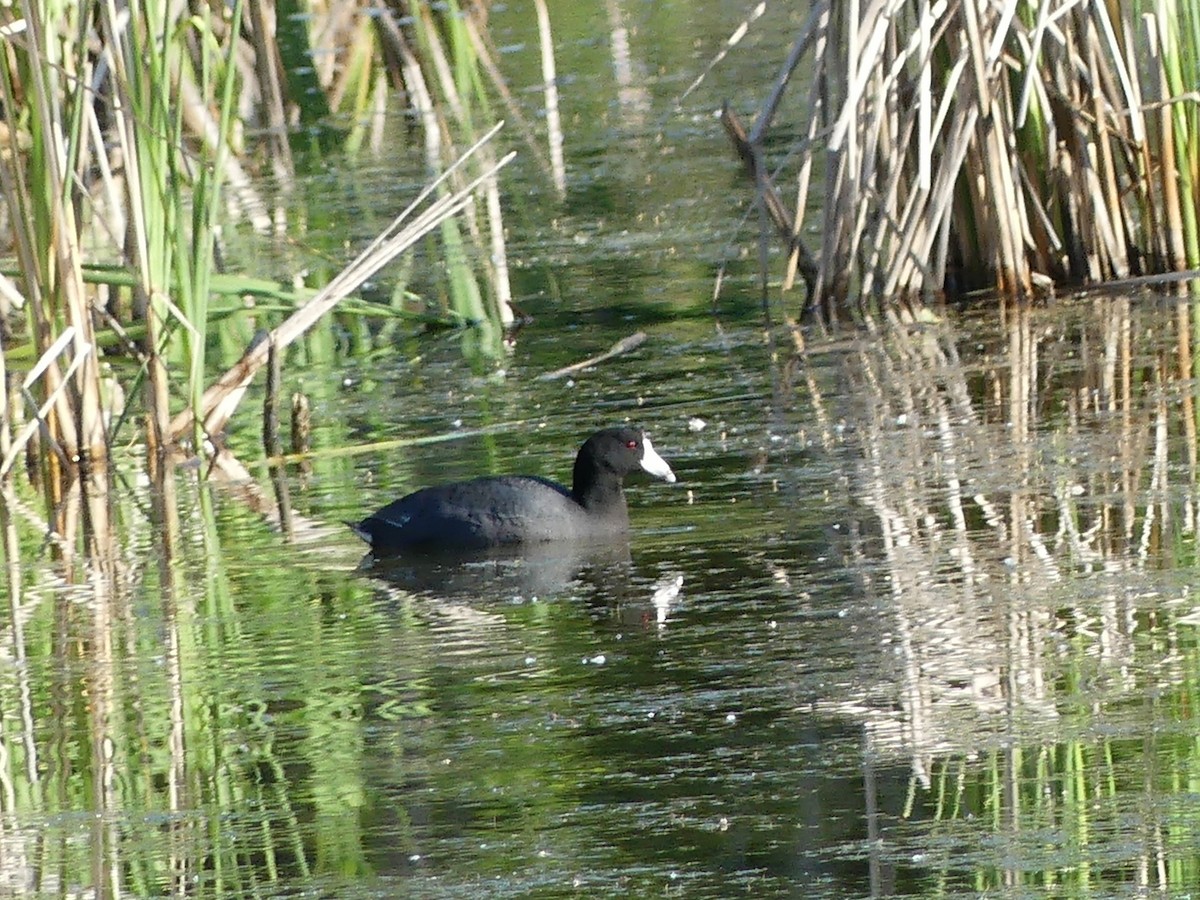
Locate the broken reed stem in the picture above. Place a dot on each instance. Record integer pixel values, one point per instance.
(271, 442)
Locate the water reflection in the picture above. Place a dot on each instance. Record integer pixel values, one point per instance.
(522, 573)
(1027, 498)
(931, 629)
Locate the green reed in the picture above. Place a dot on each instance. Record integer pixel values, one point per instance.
(122, 163)
(168, 75)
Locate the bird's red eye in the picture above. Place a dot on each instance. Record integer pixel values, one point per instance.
(632, 445)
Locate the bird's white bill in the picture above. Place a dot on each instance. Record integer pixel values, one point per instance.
(653, 463)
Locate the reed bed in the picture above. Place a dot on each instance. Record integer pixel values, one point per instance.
(124, 166)
(126, 162)
(968, 145)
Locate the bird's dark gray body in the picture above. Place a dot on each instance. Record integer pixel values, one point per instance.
(522, 509)
(508, 510)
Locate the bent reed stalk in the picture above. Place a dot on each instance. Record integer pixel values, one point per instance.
(971, 145)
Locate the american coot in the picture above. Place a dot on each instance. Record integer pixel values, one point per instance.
(501, 510)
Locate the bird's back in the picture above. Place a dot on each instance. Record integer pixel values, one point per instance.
(485, 512)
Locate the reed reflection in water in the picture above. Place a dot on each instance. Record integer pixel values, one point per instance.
(981, 678)
(1030, 538)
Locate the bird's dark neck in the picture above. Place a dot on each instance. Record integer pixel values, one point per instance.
(600, 495)
(598, 490)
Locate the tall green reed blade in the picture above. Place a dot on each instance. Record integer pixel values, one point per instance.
(206, 196)
(163, 96)
(1181, 53)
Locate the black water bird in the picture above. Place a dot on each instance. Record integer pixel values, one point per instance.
(507, 510)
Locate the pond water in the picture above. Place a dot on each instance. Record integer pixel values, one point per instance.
(916, 618)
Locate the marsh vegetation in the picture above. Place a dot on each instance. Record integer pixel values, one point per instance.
(917, 618)
(959, 147)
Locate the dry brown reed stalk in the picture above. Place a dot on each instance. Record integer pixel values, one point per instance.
(973, 145)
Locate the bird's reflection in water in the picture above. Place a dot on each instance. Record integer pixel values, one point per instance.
(601, 572)
(526, 572)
